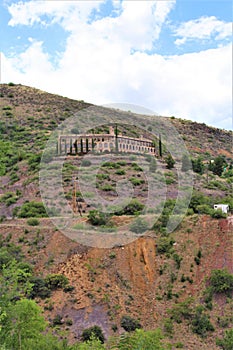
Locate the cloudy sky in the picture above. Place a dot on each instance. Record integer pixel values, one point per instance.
(173, 57)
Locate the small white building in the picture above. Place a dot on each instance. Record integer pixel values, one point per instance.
(224, 207)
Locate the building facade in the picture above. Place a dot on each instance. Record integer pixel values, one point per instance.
(112, 142)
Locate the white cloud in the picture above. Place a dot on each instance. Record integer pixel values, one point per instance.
(98, 64)
(203, 28)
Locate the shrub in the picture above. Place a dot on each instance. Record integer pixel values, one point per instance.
(198, 199)
(133, 208)
(86, 162)
(39, 288)
(111, 165)
(226, 343)
(129, 324)
(201, 323)
(139, 226)
(120, 172)
(97, 218)
(221, 281)
(136, 182)
(168, 326)
(91, 332)
(57, 321)
(32, 209)
(204, 209)
(181, 310)
(218, 214)
(164, 245)
(33, 222)
(177, 260)
(169, 162)
(56, 281)
(136, 167)
(102, 176)
(107, 188)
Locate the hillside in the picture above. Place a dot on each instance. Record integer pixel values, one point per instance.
(152, 278)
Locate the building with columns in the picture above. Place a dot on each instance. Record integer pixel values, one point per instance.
(111, 142)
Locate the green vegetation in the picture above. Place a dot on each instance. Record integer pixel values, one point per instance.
(198, 165)
(186, 163)
(33, 222)
(221, 281)
(164, 245)
(91, 332)
(97, 218)
(139, 225)
(218, 165)
(133, 208)
(136, 182)
(170, 162)
(226, 343)
(129, 324)
(32, 209)
(201, 322)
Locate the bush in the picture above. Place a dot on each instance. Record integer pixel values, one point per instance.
(32, 209)
(169, 162)
(120, 172)
(33, 222)
(107, 188)
(139, 226)
(218, 214)
(181, 310)
(39, 288)
(226, 343)
(91, 332)
(136, 182)
(201, 323)
(98, 218)
(111, 165)
(221, 281)
(86, 162)
(198, 199)
(204, 209)
(129, 324)
(198, 166)
(56, 281)
(164, 245)
(57, 321)
(133, 208)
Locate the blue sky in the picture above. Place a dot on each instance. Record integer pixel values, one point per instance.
(173, 57)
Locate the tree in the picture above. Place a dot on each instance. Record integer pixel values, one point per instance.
(186, 163)
(198, 166)
(23, 325)
(218, 165)
(140, 339)
(170, 162)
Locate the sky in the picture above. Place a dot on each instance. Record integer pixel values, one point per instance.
(173, 57)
